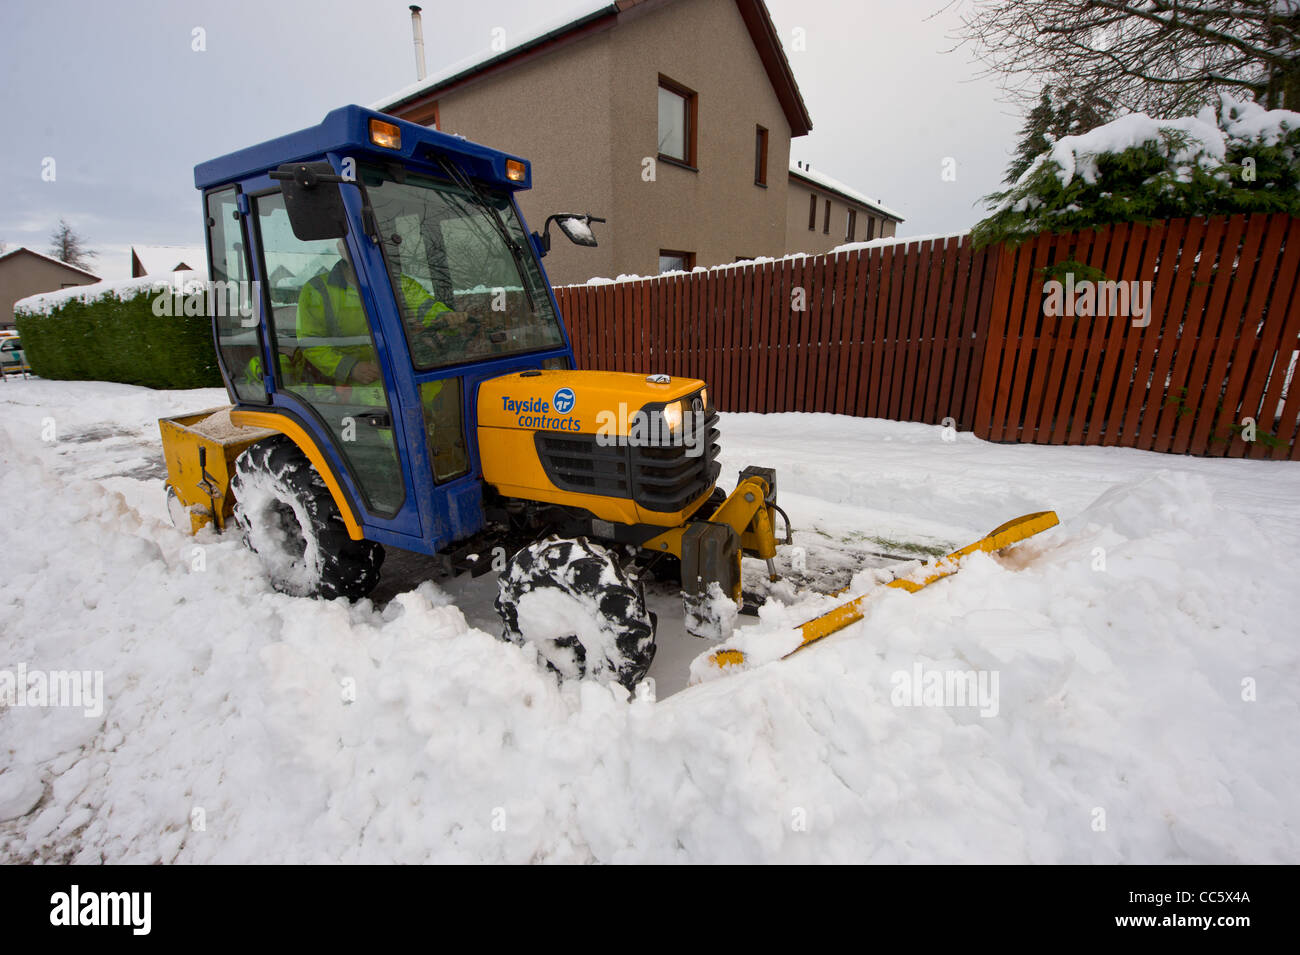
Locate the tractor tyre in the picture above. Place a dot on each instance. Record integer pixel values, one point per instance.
(576, 605)
(291, 522)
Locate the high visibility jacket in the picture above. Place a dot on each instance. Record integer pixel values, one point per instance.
(332, 329)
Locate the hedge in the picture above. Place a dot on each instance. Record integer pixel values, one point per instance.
(120, 339)
(1240, 159)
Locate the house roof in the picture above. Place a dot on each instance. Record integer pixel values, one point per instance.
(594, 17)
(156, 259)
(825, 183)
(70, 268)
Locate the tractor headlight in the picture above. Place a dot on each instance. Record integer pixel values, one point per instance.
(673, 417)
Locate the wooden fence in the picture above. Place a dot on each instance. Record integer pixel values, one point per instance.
(930, 330)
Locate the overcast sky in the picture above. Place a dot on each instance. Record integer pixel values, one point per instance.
(116, 95)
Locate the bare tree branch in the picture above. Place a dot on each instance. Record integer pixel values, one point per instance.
(1165, 57)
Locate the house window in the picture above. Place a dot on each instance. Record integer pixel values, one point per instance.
(871, 227)
(812, 213)
(673, 260)
(826, 219)
(678, 111)
(760, 156)
(852, 225)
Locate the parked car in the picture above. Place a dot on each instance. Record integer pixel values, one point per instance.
(12, 359)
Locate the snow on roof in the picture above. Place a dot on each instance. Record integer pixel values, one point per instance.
(47, 258)
(571, 15)
(834, 185)
(123, 289)
(158, 259)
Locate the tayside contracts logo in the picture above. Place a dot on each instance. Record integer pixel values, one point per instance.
(131, 909)
(538, 413)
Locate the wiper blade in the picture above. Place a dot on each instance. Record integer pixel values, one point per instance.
(457, 175)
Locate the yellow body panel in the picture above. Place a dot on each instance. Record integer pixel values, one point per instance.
(273, 421)
(181, 444)
(513, 408)
(602, 399)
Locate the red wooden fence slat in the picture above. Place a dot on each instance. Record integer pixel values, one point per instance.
(997, 294)
(1169, 309)
(970, 362)
(1289, 323)
(900, 314)
(831, 315)
(1200, 271)
(763, 316)
(879, 319)
(1108, 333)
(1067, 361)
(1215, 417)
(1257, 338)
(1186, 434)
(857, 329)
(1046, 330)
(1015, 353)
(945, 334)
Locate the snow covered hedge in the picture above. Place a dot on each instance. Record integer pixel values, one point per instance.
(1238, 159)
(109, 331)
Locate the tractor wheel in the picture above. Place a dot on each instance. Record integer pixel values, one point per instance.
(572, 601)
(291, 522)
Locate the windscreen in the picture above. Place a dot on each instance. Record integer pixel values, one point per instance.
(463, 274)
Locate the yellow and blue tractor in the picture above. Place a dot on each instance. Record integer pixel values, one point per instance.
(400, 375)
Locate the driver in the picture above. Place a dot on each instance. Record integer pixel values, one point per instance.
(330, 310)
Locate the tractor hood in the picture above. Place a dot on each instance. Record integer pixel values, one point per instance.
(576, 402)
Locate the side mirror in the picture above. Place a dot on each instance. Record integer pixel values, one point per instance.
(575, 226)
(314, 203)
(577, 229)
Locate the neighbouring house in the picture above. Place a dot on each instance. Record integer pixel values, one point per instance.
(670, 118)
(24, 272)
(824, 213)
(160, 259)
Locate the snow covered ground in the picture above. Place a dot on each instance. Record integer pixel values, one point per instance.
(1142, 661)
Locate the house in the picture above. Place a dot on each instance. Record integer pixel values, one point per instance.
(161, 259)
(824, 213)
(24, 272)
(672, 119)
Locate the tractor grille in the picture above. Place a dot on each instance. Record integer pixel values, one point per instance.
(657, 478)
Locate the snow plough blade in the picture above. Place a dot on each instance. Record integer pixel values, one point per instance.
(1012, 532)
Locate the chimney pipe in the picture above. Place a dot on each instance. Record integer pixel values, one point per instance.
(417, 31)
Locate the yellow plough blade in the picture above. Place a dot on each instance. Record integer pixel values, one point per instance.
(1012, 532)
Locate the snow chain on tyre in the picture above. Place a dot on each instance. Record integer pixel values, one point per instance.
(576, 605)
(291, 522)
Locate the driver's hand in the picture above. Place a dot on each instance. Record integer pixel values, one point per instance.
(365, 372)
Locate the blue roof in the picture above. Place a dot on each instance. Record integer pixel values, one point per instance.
(347, 130)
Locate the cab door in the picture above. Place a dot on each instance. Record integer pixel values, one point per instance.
(324, 352)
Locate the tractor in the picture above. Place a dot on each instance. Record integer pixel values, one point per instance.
(400, 376)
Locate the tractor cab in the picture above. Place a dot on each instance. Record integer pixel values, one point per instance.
(373, 273)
